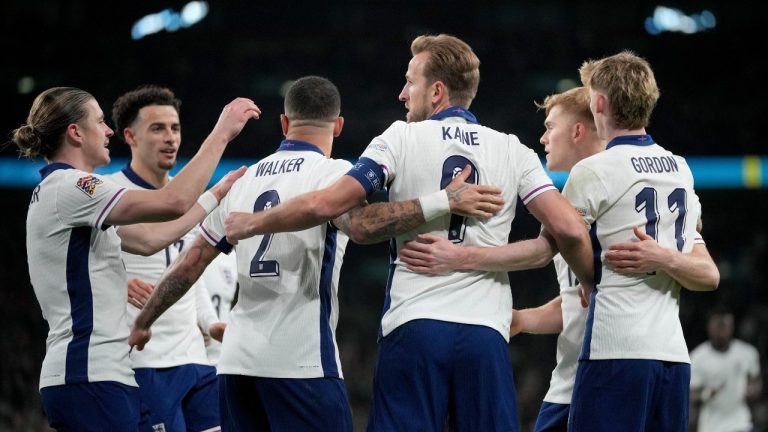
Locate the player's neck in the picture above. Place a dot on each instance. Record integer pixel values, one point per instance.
(324, 141)
(157, 178)
(611, 133)
(74, 159)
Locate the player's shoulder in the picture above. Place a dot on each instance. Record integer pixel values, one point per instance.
(743, 346)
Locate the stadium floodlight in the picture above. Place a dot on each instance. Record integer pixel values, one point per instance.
(170, 20)
(667, 19)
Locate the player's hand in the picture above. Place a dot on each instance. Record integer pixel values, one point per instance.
(644, 256)
(237, 226)
(431, 254)
(139, 292)
(139, 337)
(217, 330)
(584, 293)
(221, 188)
(480, 201)
(234, 116)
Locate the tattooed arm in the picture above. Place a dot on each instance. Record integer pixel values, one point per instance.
(174, 283)
(381, 221)
(378, 222)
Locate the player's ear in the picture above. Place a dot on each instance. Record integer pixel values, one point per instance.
(284, 124)
(337, 126)
(439, 92)
(74, 134)
(129, 137)
(578, 131)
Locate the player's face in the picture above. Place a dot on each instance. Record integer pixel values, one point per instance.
(558, 140)
(95, 133)
(416, 91)
(157, 137)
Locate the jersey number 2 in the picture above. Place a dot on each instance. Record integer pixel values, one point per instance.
(646, 201)
(259, 266)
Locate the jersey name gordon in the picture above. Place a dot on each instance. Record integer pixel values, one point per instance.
(655, 164)
(455, 133)
(278, 167)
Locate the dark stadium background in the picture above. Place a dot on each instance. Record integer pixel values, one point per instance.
(712, 104)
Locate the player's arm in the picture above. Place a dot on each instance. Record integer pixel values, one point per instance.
(567, 228)
(298, 213)
(174, 283)
(545, 319)
(381, 221)
(179, 195)
(149, 238)
(695, 270)
(436, 255)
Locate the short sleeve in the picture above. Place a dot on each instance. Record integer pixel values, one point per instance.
(85, 199)
(585, 191)
(212, 228)
(533, 180)
(387, 149)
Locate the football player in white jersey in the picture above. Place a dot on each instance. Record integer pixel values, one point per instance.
(280, 347)
(443, 353)
(86, 382)
(176, 381)
(725, 377)
(634, 370)
(570, 135)
(220, 282)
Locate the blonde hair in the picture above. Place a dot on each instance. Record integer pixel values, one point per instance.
(574, 101)
(629, 84)
(453, 62)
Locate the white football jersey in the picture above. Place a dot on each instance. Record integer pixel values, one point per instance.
(220, 282)
(284, 322)
(570, 338)
(78, 277)
(176, 338)
(727, 372)
(420, 158)
(634, 182)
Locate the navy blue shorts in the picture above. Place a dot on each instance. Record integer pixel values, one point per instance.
(181, 398)
(630, 395)
(99, 406)
(430, 374)
(283, 404)
(552, 417)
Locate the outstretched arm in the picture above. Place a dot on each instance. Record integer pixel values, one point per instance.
(545, 319)
(567, 227)
(695, 270)
(174, 283)
(299, 213)
(178, 196)
(436, 255)
(381, 221)
(149, 238)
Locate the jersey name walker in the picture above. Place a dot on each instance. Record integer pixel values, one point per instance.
(78, 277)
(635, 182)
(423, 157)
(284, 322)
(176, 339)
